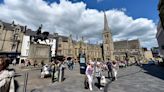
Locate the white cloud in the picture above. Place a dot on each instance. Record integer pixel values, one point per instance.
(74, 18)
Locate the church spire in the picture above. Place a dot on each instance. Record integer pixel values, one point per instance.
(106, 27)
(108, 47)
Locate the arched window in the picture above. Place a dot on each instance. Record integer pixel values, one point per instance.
(17, 30)
(16, 33)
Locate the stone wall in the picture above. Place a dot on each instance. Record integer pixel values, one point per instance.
(39, 52)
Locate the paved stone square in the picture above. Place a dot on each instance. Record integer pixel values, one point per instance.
(135, 79)
(131, 79)
(74, 82)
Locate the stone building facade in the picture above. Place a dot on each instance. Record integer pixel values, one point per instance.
(148, 55)
(160, 28)
(65, 46)
(108, 50)
(160, 39)
(161, 12)
(128, 49)
(71, 48)
(108, 47)
(94, 52)
(11, 36)
(34, 51)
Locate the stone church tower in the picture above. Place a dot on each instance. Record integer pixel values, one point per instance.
(108, 47)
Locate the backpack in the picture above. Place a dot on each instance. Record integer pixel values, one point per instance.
(103, 80)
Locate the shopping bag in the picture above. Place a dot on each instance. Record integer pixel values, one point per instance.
(103, 81)
(86, 84)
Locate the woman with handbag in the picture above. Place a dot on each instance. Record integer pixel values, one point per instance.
(98, 74)
(114, 70)
(89, 74)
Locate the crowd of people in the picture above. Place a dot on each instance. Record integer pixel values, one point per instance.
(95, 70)
(55, 70)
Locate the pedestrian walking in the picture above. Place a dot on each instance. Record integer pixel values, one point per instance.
(89, 73)
(109, 65)
(61, 71)
(98, 74)
(14, 62)
(35, 63)
(42, 63)
(56, 69)
(70, 63)
(45, 72)
(114, 70)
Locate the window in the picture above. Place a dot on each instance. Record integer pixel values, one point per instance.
(13, 46)
(27, 51)
(69, 51)
(50, 40)
(16, 31)
(59, 52)
(59, 45)
(28, 43)
(107, 36)
(106, 41)
(15, 37)
(162, 47)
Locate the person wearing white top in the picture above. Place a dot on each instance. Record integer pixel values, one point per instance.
(98, 74)
(114, 70)
(89, 73)
(6, 77)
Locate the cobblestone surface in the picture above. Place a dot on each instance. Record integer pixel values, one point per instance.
(74, 82)
(135, 79)
(130, 79)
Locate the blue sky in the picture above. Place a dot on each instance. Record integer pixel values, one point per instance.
(134, 8)
(127, 19)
